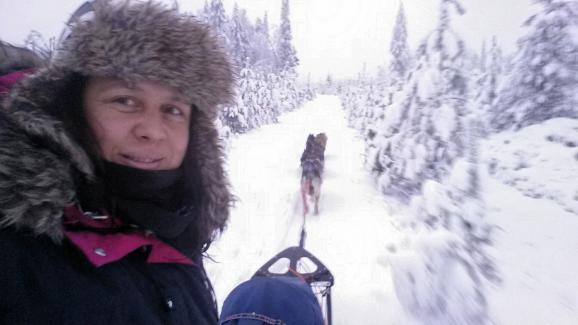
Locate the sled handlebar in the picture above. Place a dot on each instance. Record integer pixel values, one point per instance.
(294, 255)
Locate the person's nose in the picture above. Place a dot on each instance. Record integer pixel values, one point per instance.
(149, 126)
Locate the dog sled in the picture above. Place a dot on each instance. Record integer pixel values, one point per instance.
(293, 287)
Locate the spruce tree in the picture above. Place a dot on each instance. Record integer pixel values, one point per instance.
(483, 57)
(421, 134)
(217, 17)
(400, 58)
(286, 53)
(205, 13)
(429, 155)
(239, 34)
(263, 53)
(495, 71)
(382, 92)
(486, 88)
(545, 78)
(263, 90)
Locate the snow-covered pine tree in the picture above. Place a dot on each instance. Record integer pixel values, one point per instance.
(421, 135)
(545, 78)
(265, 24)
(358, 118)
(286, 53)
(385, 89)
(429, 154)
(485, 88)
(289, 95)
(451, 239)
(309, 92)
(239, 34)
(262, 51)
(495, 71)
(205, 13)
(483, 57)
(400, 57)
(217, 19)
(267, 111)
(272, 83)
(247, 91)
(328, 86)
(233, 117)
(263, 89)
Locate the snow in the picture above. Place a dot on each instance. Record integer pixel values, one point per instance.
(426, 85)
(536, 250)
(550, 69)
(573, 33)
(444, 120)
(383, 262)
(533, 199)
(460, 175)
(432, 285)
(541, 161)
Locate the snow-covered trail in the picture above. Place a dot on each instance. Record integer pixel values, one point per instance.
(349, 234)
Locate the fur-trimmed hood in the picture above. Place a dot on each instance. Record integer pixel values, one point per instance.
(130, 41)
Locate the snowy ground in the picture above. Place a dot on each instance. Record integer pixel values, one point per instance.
(349, 234)
(533, 199)
(541, 161)
(529, 181)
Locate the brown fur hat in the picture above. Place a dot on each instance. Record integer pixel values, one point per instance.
(146, 41)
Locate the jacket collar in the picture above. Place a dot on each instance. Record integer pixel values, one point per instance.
(102, 247)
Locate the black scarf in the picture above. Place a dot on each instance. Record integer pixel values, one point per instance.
(152, 200)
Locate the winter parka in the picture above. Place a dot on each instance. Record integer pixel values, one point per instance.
(45, 278)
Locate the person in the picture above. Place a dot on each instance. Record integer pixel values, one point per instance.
(274, 300)
(111, 174)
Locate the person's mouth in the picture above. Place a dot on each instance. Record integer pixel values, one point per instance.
(142, 162)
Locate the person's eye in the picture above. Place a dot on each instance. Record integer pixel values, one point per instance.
(175, 111)
(125, 101)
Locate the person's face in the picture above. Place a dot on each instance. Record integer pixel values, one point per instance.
(144, 125)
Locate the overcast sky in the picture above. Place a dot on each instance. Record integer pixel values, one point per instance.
(331, 36)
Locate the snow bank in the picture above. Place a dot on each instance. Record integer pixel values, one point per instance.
(439, 263)
(536, 249)
(541, 161)
(433, 280)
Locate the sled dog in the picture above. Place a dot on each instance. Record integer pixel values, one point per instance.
(312, 164)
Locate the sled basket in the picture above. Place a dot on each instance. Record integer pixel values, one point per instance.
(297, 262)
